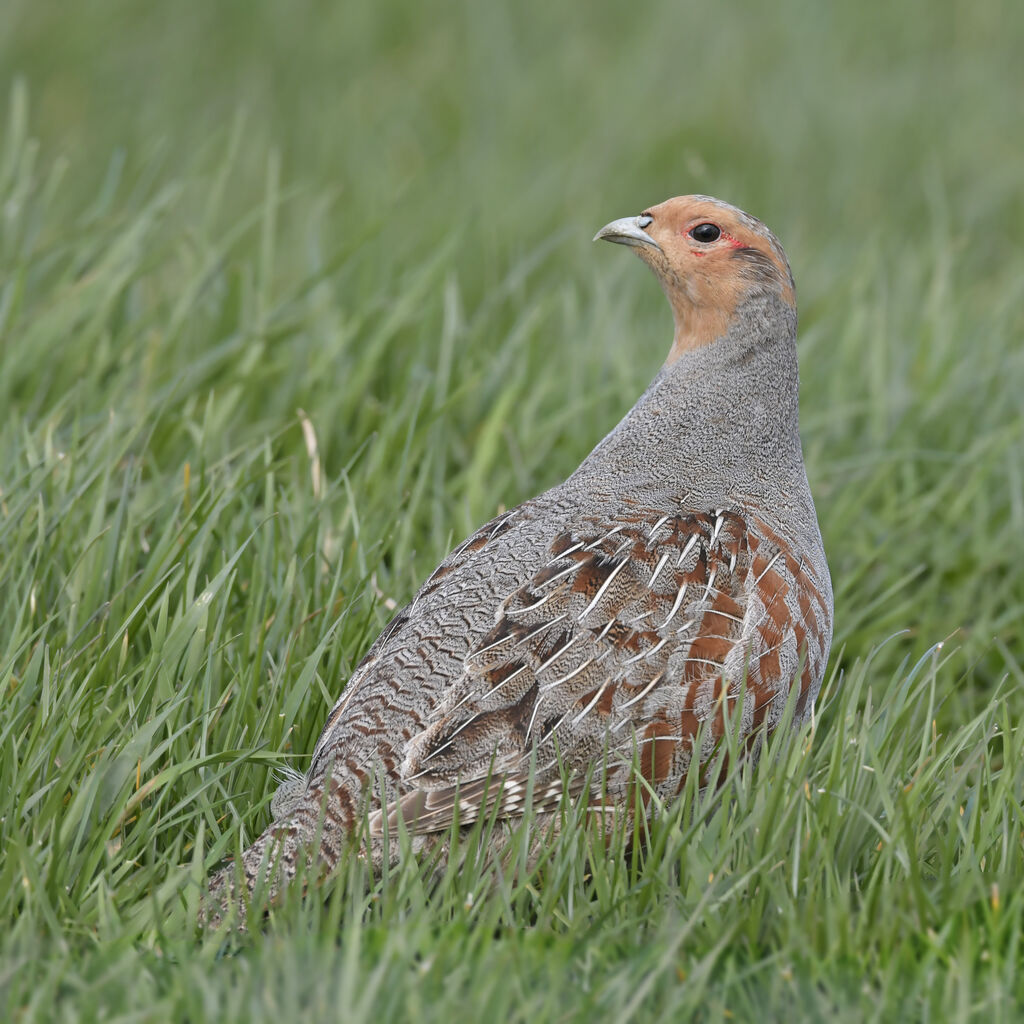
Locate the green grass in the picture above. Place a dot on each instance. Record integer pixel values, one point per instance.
(215, 216)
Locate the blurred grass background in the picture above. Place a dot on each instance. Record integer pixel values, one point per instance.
(215, 215)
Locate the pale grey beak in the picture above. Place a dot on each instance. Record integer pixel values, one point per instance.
(628, 231)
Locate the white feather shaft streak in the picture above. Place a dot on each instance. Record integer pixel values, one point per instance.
(657, 569)
(601, 591)
(597, 696)
(600, 540)
(643, 693)
(686, 550)
(561, 650)
(719, 521)
(572, 675)
(675, 606)
(767, 568)
(646, 654)
(657, 526)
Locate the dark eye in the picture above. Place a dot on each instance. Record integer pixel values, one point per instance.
(705, 232)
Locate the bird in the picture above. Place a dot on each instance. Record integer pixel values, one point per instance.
(676, 580)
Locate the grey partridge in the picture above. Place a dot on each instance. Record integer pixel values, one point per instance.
(680, 568)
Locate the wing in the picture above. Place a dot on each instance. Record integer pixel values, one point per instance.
(373, 708)
(629, 637)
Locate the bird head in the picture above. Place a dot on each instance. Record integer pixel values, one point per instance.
(708, 257)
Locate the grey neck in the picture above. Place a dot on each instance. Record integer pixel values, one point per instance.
(720, 422)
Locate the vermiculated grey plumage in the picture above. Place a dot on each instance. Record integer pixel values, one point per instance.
(680, 567)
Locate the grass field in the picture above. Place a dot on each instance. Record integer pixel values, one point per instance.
(293, 296)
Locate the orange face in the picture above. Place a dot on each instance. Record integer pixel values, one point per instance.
(708, 256)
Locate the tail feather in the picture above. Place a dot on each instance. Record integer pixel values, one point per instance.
(263, 870)
(312, 823)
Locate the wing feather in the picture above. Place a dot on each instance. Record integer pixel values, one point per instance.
(640, 626)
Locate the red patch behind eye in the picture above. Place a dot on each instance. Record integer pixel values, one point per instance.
(732, 240)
